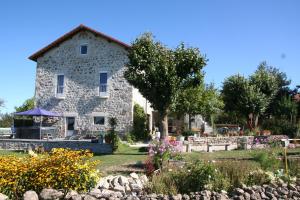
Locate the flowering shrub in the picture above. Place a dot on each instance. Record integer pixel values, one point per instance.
(161, 151)
(60, 169)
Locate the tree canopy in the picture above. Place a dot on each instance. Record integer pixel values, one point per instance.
(159, 73)
(252, 97)
(27, 105)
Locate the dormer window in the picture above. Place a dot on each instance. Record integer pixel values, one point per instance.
(83, 49)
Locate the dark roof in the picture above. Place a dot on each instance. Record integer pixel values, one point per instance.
(70, 34)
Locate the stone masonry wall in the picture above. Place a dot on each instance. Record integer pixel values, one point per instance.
(81, 99)
(24, 144)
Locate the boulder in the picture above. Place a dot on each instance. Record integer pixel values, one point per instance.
(103, 184)
(70, 194)
(106, 193)
(3, 197)
(51, 194)
(144, 179)
(76, 197)
(30, 195)
(119, 188)
(136, 187)
(123, 180)
(95, 193)
(134, 175)
(89, 197)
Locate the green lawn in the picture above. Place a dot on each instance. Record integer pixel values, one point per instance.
(126, 155)
(11, 153)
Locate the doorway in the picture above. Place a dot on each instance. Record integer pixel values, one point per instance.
(70, 126)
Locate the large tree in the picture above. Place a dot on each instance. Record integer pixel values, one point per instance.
(27, 105)
(159, 73)
(203, 99)
(243, 98)
(1, 103)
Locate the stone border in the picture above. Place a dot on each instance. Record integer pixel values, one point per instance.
(25, 144)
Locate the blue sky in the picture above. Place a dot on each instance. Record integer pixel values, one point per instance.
(235, 35)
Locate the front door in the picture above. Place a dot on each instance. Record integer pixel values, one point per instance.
(70, 124)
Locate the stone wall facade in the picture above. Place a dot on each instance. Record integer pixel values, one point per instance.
(24, 144)
(81, 97)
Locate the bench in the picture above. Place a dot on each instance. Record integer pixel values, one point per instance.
(221, 144)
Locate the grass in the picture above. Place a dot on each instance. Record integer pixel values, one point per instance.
(126, 155)
(11, 153)
(123, 156)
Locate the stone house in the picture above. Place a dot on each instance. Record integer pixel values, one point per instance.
(80, 76)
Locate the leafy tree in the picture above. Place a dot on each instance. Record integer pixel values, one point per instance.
(273, 83)
(1, 103)
(202, 100)
(243, 98)
(139, 123)
(159, 73)
(287, 108)
(6, 120)
(27, 105)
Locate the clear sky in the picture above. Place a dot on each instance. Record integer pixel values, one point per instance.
(235, 35)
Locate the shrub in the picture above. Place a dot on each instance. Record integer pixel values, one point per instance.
(267, 160)
(294, 168)
(187, 133)
(199, 176)
(60, 169)
(129, 137)
(280, 127)
(161, 151)
(163, 183)
(259, 177)
(194, 177)
(139, 131)
(112, 137)
(237, 172)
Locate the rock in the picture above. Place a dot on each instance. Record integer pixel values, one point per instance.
(134, 175)
(292, 187)
(30, 195)
(270, 195)
(103, 184)
(176, 197)
(76, 197)
(238, 191)
(136, 187)
(3, 197)
(144, 179)
(51, 194)
(106, 193)
(123, 180)
(89, 197)
(95, 193)
(70, 194)
(263, 195)
(119, 188)
(247, 196)
(185, 197)
(221, 197)
(127, 188)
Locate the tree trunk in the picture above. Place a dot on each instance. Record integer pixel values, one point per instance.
(190, 122)
(256, 121)
(163, 126)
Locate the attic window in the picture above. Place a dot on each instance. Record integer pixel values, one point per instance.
(83, 49)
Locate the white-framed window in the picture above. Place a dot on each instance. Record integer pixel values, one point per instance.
(103, 84)
(99, 120)
(83, 49)
(60, 85)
